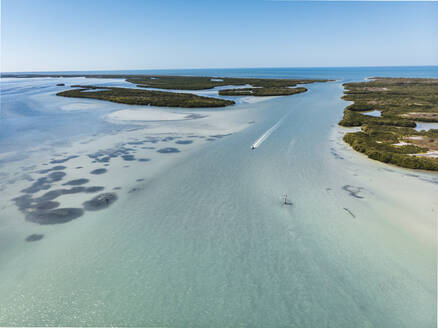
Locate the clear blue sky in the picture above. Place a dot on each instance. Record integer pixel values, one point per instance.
(44, 35)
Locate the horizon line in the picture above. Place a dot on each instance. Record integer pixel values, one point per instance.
(209, 68)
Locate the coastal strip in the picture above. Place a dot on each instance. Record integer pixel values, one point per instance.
(391, 137)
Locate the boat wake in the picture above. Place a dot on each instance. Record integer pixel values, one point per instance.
(268, 132)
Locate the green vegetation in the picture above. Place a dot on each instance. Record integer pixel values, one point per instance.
(204, 82)
(391, 137)
(352, 118)
(181, 82)
(259, 87)
(270, 91)
(145, 97)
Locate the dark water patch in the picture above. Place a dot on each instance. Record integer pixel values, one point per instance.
(104, 156)
(38, 185)
(98, 171)
(79, 167)
(34, 237)
(154, 141)
(353, 191)
(53, 194)
(412, 175)
(100, 202)
(96, 154)
(56, 216)
(146, 147)
(115, 154)
(94, 189)
(434, 181)
(50, 195)
(168, 139)
(63, 160)
(211, 139)
(168, 150)
(194, 116)
(125, 166)
(144, 159)
(349, 212)
(133, 190)
(76, 182)
(221, 135)
(117, 188)
(183, 142)
(56, 176)
(128, 157)
(139, 180)
(135, 143)
(74, 190)
(47, 205)
(23, 202)
(106, 165)
(104, 159)
(335, 154)
(55, 168)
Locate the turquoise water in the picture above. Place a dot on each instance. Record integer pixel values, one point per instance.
(340, 73)
(206, 241)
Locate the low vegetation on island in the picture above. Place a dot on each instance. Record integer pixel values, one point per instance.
(392, 137)
(262, 92)
(252, 87)
(144, 97)
(205, 82)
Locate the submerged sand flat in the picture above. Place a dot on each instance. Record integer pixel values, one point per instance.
(189, 228)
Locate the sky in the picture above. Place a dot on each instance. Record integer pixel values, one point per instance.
(54, 35)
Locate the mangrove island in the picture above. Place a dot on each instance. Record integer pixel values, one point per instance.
(391, 137)
(139, 96)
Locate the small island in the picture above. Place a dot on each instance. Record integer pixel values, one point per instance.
(144, 97)
(252, 87)
(262, 92)
(205, 82)
(390, 136)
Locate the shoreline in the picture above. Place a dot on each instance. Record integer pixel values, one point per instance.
(388, 137)
(337, 129)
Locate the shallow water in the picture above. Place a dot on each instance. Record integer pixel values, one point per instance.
(375, 113)
(426, 126)
(200, 237)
